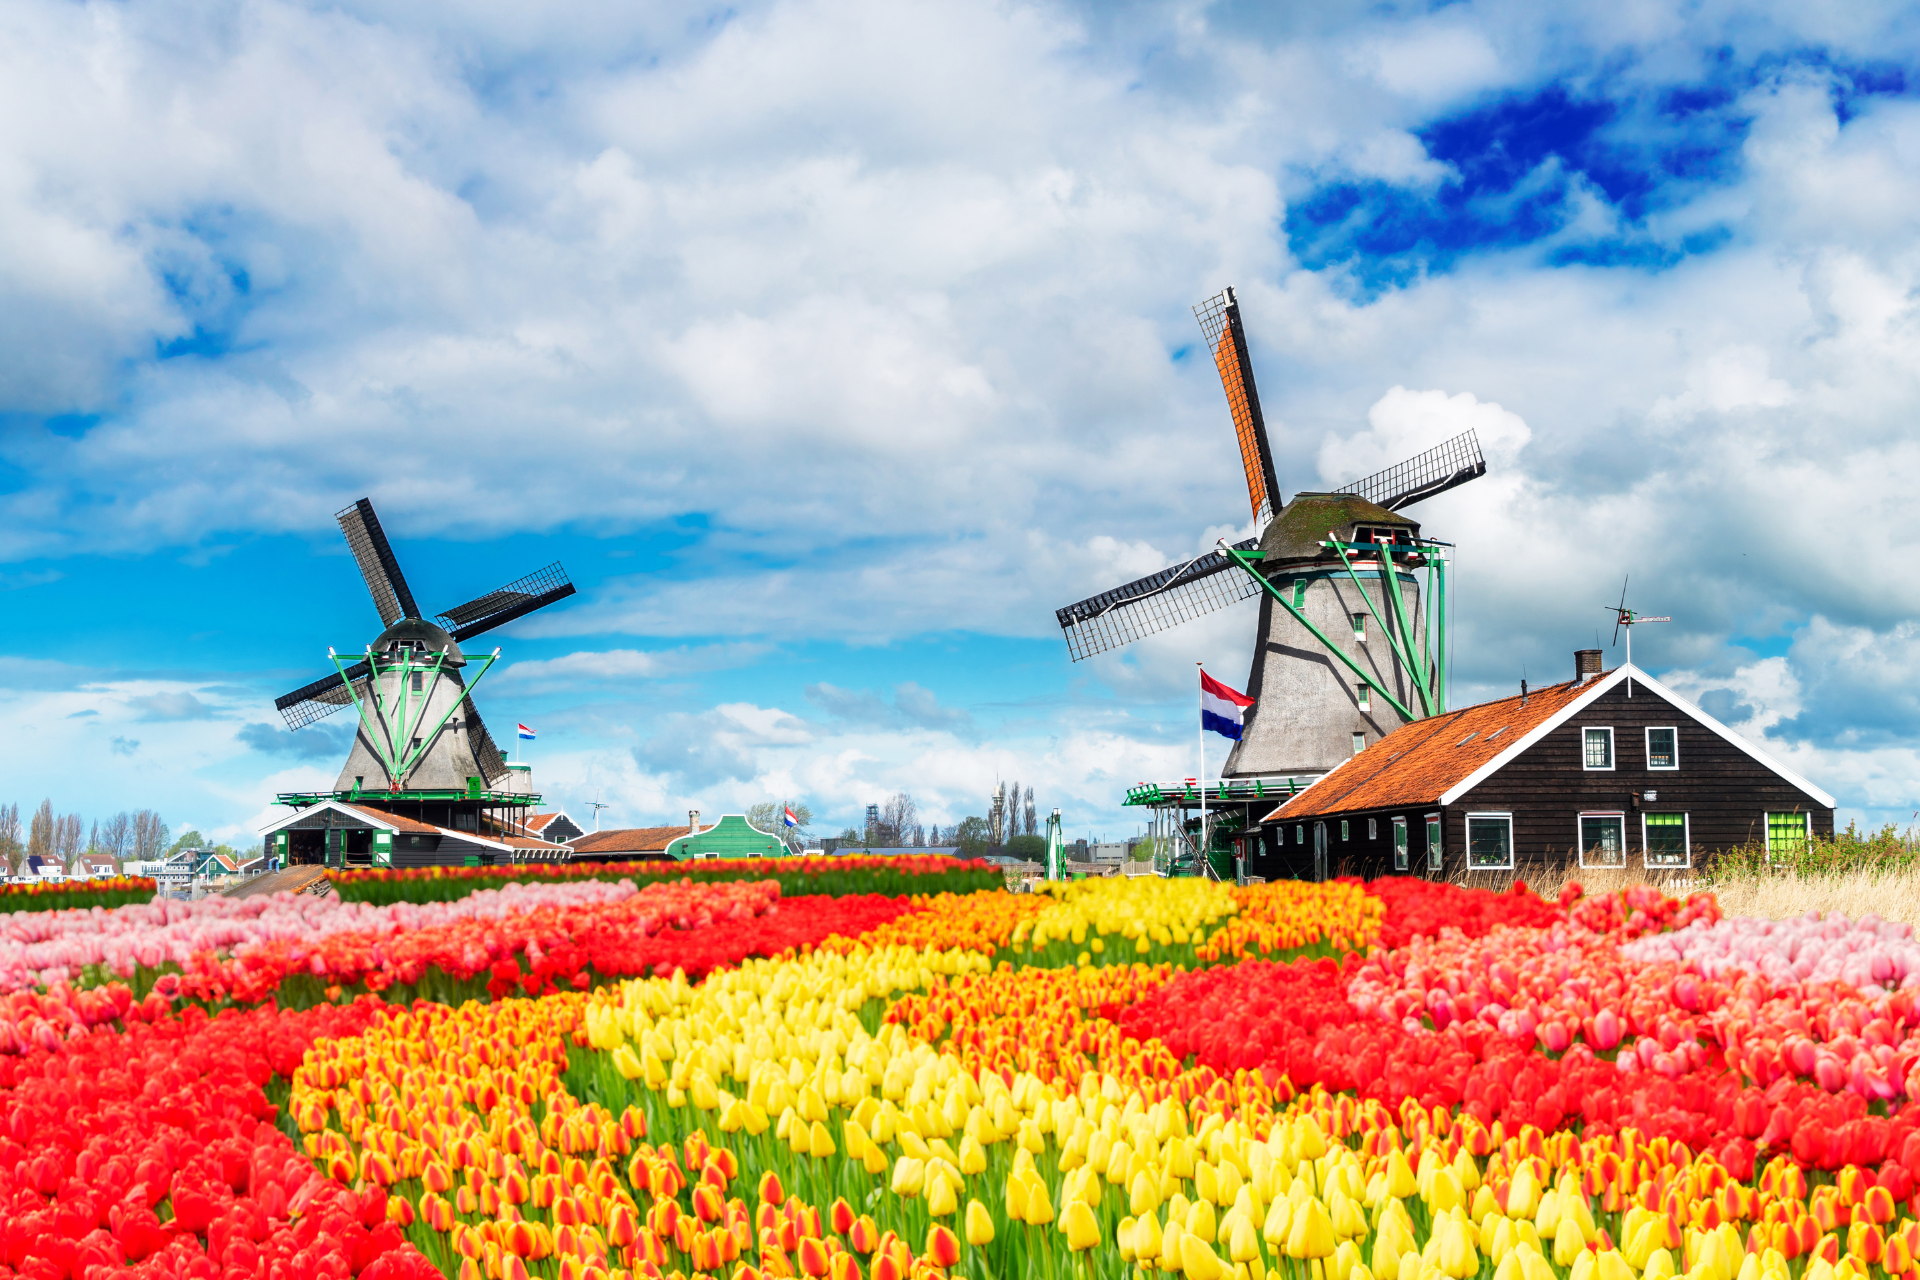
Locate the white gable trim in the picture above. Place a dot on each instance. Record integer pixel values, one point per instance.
(1601, 686)
(356, 816)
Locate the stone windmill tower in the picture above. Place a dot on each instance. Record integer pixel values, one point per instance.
(1352, 642)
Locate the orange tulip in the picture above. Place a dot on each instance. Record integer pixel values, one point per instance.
(841, 1215)
(812, 1257)
(843, 1267)
(943, 1247)
(864, 1234)
(771, 1191)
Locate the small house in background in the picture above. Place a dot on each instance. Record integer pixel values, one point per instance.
(94, 866)
(1610, 769)
(626, 844)
(555, 827)
(731, 837)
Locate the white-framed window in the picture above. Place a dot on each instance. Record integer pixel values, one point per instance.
(1399, 844)
(1602, 839)
(1373, 828)
(1360, 627)
(1364, 695)
(1664, 842)
(1359, 743)
(1343, 828)
(1663, 747)
(1300, 835)
(1490, 842)
(1433, 842)
(1596, 748)
(1788, 833)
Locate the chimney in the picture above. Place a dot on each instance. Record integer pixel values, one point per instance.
(1586, 664)
(693, 822)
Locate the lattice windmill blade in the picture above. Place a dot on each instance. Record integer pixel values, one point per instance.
(371, 551)
(1450, 463)
(1156, 602)
(322, 698)
(1219, 318)
(503, 604)
(480, 742)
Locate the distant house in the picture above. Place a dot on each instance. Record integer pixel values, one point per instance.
(1607, 770)
(338, 833)
(555, 827)
(94, 866)
(731, 837)
(627, 844)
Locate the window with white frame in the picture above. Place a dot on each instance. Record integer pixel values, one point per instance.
(1373, 828)
(1364, 694)
(1490, 842)
(1788, 833)
(1663, 838)
(1603, 839)
(1359, 743)
(1399, 844)
(1433, 842)
(1299, 835)
(1360, 627)
(1597, 748)
(1343, 828)
(1663, 747)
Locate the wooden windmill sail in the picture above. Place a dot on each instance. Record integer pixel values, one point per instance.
(1350, 646)
(419, 732)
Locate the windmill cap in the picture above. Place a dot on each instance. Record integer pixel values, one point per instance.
(1312, 518)
(423, 633)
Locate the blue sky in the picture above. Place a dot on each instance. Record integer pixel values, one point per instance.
(831, 346)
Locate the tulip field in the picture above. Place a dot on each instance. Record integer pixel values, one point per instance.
(571, 1077)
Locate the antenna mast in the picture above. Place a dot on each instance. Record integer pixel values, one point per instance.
(1625, 617)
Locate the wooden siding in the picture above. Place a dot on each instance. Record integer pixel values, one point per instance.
(1724, 792)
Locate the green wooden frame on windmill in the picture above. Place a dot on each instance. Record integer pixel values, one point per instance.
(1429, 677)
(379, 735)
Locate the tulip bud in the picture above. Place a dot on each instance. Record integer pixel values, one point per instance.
(1144, 1195)
(1080, 1227)
(1243, 1244)
(1311, 1234)
(941, 1199)
(1039, 1204)
(1198, 1259)
(1146, 1238)
(979, 1224)
(943, 1247)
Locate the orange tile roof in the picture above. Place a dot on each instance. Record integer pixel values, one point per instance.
(629, 840)
(539, 821)
(1418, 763)
(395, 821)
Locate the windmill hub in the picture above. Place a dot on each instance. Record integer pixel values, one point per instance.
(417, 635)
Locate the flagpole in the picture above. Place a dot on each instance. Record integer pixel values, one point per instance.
(1201, 777)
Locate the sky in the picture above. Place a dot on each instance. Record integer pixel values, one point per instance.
(831, 346)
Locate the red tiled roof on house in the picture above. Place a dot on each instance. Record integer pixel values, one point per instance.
(537, 822)
(1419, 762)
(395, 821)
(630, 840)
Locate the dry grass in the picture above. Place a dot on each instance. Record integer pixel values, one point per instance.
(1892, 894)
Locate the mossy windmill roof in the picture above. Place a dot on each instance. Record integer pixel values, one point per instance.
(731, 837)
(1311, 518)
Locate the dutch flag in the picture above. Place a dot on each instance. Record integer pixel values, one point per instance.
(790, 819)
(1221, 709)
(528, 733)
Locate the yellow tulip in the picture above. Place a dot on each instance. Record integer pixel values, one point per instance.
(1206, 1182)
(941, 1199)
(1144, 1195)
(1278, 1224)
(909, 1176)
(1080, 1227)
(1201, 1221)
(1198, 1259)
(1611, 1266)
(702, 1092)
(1243, 1244)
(1311, 1235)
(627, 1063)
(1568, 1243)
(1582, 1268)
(1146, 1237)
(973, 1156)
(1523, 1193)
(1039, 1204)
(1659, 1266)
(1533, 1265)
(1458, 1258)
(1400, 1180)
(979, 1224)
(1016, 1198)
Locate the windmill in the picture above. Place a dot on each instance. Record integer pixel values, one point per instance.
(1625, 617)
(421, 742)
(1349, 646)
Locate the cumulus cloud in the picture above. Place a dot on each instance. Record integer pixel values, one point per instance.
(912, 707)
(320, 741)
(597, 666)
(171, 706)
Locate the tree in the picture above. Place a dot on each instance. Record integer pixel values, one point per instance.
(149, 836)
(10, 848)
(1031, 828)
(67, 831)
(898, 817)
(115, 838)
(771, 815)
(189, 839)
(40, 834)
(973, 836)
(1028, 848)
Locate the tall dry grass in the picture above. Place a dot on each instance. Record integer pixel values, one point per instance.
(1854, 873)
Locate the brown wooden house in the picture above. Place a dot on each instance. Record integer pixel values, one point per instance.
(1611, 769)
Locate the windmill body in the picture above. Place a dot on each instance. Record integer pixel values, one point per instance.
(423, 782)
(1308, 708)
(1352, 640)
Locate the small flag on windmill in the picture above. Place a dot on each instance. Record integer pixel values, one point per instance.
(789, 818)
(525, 732)
(1221, 709)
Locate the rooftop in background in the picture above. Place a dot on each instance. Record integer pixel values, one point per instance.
(628, 840)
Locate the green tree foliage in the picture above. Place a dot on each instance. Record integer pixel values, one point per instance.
(974, 836)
